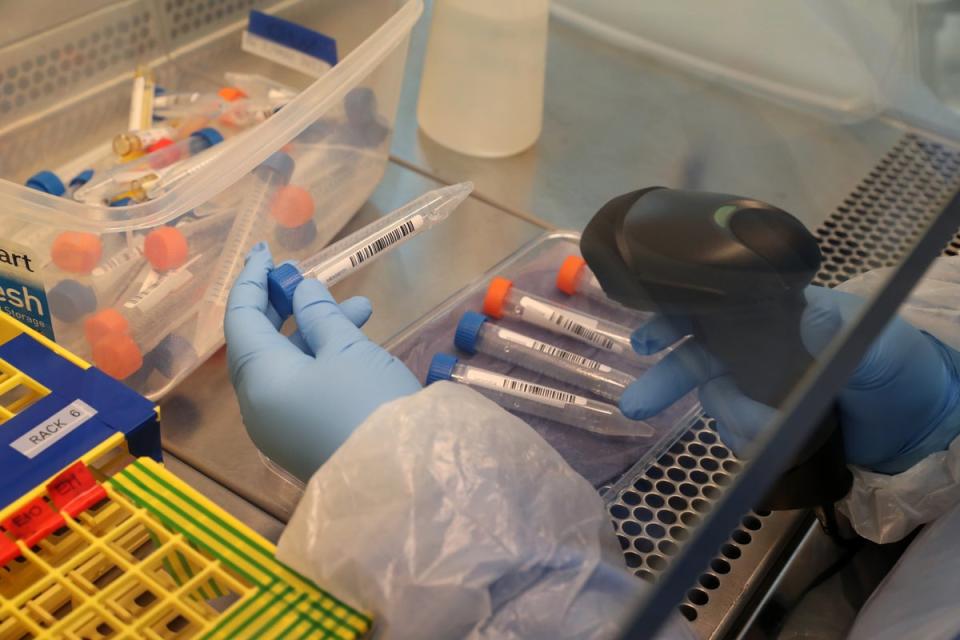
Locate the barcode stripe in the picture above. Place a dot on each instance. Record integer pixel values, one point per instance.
(563, 354)
(572, 326)
(382, 243)
(536, 390)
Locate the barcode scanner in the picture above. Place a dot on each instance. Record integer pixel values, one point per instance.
(736, 268)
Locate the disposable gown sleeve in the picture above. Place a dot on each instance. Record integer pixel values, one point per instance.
(885, 508)
(447, 517)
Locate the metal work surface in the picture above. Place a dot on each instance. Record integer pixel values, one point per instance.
(615, 121)
(201, 419)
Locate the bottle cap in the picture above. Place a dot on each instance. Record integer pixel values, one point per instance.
(173, 355)
(71, 300)
(468, 330)
(122, 202)
(292, 207)
(231, 94)
(104, 322)
(496, 294)
(568, 273)
(441, 367)
(76, 251)
(81, 178)
(48, 182)
(166, 248)
(296, 239)
(117, 355)
(360, 104)
(280, 163)
(208, 136)
(282, 281)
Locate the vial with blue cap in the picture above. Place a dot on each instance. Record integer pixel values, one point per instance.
(550, 403)
(249, 225)
(476, 333)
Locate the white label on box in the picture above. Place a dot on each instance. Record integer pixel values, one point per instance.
(287, 56)
(46, 434)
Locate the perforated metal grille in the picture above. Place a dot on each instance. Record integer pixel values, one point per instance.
(41, 71)
(188, 19)
(872, 227)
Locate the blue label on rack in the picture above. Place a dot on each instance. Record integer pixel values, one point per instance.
(22, 295)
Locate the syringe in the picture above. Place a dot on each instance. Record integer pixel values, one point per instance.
(503, 299)
(574, 277)
(553, 404)
(120, 336)
(247, 228)
(476, 333)
(361, 247)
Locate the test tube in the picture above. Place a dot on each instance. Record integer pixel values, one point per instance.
(361, 247)
(574, 277)
(503, 299)
(121, 336)
(247, 228)
(71, 299)
(136, 179)
(130, 142)
(475, 333)
(519, 395)
(141, 100)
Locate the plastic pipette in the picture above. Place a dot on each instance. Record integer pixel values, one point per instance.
(247, 229)
(503, 299)
(360, 248)
(476, 333)
(538, 400)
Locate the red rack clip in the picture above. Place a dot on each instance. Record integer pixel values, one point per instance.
(75, 489)
(34, 522)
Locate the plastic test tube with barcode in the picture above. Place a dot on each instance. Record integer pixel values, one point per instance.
(537, 400)
(362, 247)
(504, 299)
(475, 332)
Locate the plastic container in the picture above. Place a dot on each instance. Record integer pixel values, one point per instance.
(476, 333)
(599, 459)
(562, 407)
(483, 76)
(336, 130)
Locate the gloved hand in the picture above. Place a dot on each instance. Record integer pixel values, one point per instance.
(302, 396)
(901, 403)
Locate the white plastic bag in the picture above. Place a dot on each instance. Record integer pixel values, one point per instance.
(447, 517)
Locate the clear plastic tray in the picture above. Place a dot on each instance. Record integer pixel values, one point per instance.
(533, 268)
(339, 156)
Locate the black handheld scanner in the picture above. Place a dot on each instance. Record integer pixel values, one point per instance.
(736, 268)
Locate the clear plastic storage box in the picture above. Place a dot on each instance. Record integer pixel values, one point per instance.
(138, 289)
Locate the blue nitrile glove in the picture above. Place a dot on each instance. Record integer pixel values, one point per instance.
(901, 403)
(302, 396)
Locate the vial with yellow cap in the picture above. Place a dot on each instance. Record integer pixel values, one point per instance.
(121, 336)
(503, 299)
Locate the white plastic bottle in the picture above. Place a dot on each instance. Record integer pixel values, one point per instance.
(482, 87)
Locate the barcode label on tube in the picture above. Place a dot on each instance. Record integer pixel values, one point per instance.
(568, 322)
(553, 351)
(552, 396)
(382, 242)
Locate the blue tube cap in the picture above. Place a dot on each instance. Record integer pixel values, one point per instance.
(360, 104)
(280, 163)
(81, 178)
(298, 238)
(441, 367)
(71, 300)
(208, 136)
(122, 202)
(282, 281)
(174, 354)
(468, 330)
(48, 182)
